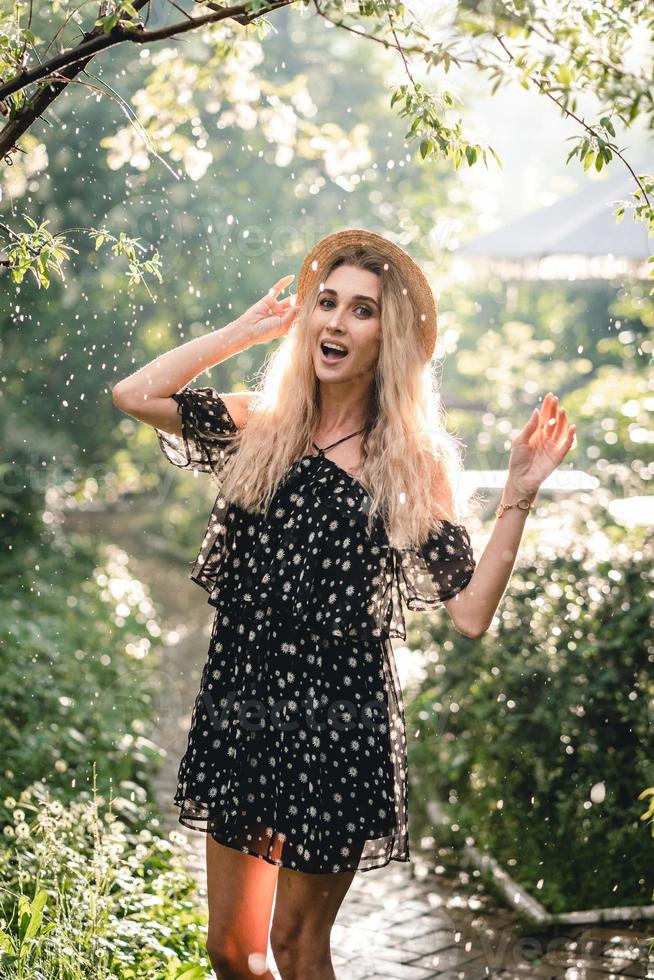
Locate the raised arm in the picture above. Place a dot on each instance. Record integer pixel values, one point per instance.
(146, 394)
(536, 452)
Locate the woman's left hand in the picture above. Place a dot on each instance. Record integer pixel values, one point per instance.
(540, 446)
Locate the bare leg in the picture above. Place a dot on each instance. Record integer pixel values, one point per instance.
(305, 909)
(240, 894)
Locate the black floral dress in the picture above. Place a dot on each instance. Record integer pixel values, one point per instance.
(297, 748)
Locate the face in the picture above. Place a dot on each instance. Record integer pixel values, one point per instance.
(347, 313)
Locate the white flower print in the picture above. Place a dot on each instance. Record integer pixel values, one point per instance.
(305, 601)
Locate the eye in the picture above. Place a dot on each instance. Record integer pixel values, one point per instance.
(326, 299)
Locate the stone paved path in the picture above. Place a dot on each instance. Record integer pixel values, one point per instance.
(392, 924)
(395, 927)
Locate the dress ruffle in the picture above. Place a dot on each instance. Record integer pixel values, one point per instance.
(286, 569)
(208, 432)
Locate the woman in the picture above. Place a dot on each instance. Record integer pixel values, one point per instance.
(336, 505)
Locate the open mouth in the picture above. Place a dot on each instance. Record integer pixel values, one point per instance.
(333, 352)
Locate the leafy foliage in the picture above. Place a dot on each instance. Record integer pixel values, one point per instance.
(89, 895)
(89, 888)
(537, 737)
(570, 52)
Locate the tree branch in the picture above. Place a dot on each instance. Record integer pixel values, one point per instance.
(368, 37)
(582, 122)
(68, 64)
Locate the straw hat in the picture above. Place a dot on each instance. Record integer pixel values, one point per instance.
(323, 251)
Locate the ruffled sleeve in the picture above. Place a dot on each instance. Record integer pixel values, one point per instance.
(207, 432)
(437, 570)
(422, 578)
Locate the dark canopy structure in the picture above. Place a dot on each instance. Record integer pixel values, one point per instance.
(577, 237)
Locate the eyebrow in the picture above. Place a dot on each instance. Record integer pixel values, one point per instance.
(358, 296)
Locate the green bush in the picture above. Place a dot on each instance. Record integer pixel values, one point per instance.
(77, 654)
(88, 889)
(512, 732)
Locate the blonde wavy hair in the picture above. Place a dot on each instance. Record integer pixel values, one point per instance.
(411, 464)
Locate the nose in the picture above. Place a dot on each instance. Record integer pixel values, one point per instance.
(333, 322)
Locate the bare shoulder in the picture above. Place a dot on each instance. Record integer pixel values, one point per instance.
(238, 404)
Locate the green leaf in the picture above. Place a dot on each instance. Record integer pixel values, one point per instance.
(191, 973)
(424, 148)
(110, 23)
(564, 74)
(499, 161)
(37, 906)
(589, 159)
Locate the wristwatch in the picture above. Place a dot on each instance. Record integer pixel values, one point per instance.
(523, 504)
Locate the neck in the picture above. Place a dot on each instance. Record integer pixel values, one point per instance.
(343, 408)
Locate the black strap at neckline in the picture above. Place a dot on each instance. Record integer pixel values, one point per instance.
(323, 451)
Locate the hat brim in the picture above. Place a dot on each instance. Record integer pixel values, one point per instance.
(324, 250)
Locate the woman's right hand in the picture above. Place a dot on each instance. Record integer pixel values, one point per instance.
(270, 317)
